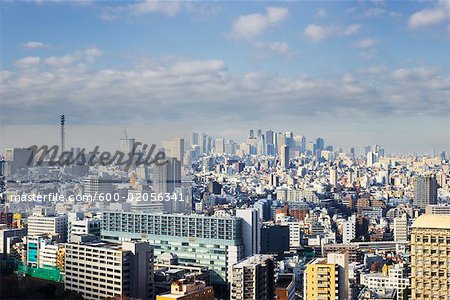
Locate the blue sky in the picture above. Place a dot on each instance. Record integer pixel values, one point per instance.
(349, 71)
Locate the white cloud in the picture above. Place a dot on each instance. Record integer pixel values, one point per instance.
(374, 70)
(168, 8)
(413, 74)
(318, 33)
(27, 62)
(321, 13)
(281, 48)
(88, 55)
(92, 54)
(191, 67)
(34, 45)
(351, 30)
(189, 90)
(430, 16)
(365, 43)
(59, 61)
(253, 25)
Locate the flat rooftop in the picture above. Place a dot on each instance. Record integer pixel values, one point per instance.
(432, 221)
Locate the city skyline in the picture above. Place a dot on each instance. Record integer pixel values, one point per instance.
(101, 135)
(232, 150)
(354, 73)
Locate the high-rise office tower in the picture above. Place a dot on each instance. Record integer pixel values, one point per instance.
(303, 143)
(327, 278)
(430, 257)
(320, 144)
(251, 230)
(253, 278)
(270, 142)
(212, 242)
(425, 190)
(166, 179)
(99, 270)
(251, 134)
(177, 149)
(209, 144)
(194, 138)
(261, 146)
(281, 141)
(204, 143)
(220, 146)
(269, 137)
(289, 139)
(284, 161)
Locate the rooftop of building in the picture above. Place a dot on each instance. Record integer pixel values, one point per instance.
(104, 245)
(432, 221)
(284, 280)
(253, 260)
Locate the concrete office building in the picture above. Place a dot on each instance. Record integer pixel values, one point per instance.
(284, 157)
(45, 222)
(213, 242)
(253, 278)
(251, 230)
(430, 257)
(425, 190)
(99, 270)
(175, 148)
(82, 225)
(166, 179)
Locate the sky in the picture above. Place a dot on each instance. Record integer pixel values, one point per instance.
(353, 72)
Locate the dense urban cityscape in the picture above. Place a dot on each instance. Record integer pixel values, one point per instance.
(224, 150)
(277, 216)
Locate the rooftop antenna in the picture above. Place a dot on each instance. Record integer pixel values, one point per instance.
(126, 135)
(63, 120)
